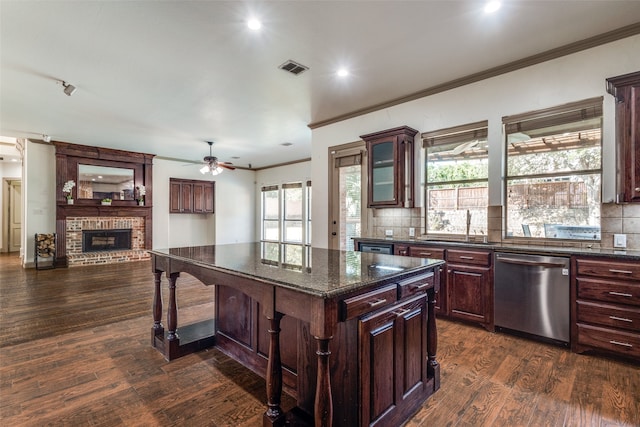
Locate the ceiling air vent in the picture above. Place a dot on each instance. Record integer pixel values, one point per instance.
(293, 67)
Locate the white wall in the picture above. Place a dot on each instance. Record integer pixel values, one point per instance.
(297, 172)
(232, 222)
(571, 78)
(38, 195)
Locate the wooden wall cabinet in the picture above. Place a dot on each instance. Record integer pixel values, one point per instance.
(391, 168)
(605, 312)
(626, 90)
(191, 196)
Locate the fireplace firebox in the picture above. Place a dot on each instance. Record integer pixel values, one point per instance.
(106, 240)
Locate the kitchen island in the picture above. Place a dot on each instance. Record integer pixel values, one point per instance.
(352, 336)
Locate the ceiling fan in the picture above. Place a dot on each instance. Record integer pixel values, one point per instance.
(212, 165)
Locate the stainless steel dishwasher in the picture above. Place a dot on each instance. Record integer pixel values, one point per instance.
(531, 295)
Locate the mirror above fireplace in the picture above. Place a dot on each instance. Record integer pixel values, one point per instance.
(100, 182)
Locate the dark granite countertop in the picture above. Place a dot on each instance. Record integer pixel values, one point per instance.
(324, 272)
(499, 247)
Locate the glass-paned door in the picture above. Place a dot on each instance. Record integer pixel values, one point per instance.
(348, 204)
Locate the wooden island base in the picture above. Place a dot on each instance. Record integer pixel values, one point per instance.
(363, 356)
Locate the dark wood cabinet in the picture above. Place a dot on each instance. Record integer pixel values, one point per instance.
(470, 286)
(380, 371)
(391, 167)
(606, 306)
(393, 355)
(419, 251)
(191, 196)
(626, 90)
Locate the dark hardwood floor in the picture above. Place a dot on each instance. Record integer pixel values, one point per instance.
(75, 351)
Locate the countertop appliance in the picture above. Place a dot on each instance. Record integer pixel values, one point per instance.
(379, 248)
(531, 295)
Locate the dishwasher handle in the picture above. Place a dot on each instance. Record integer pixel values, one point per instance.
(531, 263)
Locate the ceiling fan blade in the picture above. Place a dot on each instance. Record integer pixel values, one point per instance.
(226, 165)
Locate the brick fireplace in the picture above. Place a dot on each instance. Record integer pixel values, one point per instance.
(87, 213)
(75, 226)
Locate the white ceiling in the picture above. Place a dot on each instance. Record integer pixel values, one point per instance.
(163, 77)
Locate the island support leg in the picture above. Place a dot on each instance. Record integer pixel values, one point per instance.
(173, 340)
(433, 367)
(274, 415)
(323, 407)
(157, 328)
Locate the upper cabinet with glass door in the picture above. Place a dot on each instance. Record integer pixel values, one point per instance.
(390, 172)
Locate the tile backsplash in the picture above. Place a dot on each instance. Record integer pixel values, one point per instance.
(616, 219)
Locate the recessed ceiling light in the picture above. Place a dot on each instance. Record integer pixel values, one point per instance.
(254, 24)
(342, 72)
(492, 6)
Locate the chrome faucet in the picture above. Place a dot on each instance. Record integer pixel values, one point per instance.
(468, 224)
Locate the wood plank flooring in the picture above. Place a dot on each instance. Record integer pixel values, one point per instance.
(75, 351)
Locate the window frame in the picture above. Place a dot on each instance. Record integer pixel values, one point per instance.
(446, 136)
(538, 120)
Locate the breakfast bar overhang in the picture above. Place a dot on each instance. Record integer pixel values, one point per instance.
(352, 336)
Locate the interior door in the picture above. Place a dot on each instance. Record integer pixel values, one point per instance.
(347, 199)
(15, 215)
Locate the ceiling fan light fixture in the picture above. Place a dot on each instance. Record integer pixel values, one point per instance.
(204, 169)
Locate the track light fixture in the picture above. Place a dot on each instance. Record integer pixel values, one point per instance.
(68, 88)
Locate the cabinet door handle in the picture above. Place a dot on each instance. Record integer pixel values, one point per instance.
(622, 319)
(637, 188)
(620, 271)
(401, 312)
(465, 257)
(620, 294)
(624, 344)
(377, 302)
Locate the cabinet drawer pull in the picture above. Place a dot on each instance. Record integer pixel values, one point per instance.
(401, 312)
(377, 302)
(620, 294)
(424, 285)
(620, 271)
(622, 319)
(624, 344)
(465, 257)
(425, 253)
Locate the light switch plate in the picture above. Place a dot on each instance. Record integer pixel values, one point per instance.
(388, 233)
(619, 240)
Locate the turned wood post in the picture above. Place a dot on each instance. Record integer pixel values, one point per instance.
(157, 300)
(323, 406)
(433, 368)
(172, 311)
(274, 415)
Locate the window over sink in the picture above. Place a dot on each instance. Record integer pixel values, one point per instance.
(457, 173)
(554, 171)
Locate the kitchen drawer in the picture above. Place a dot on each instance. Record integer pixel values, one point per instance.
(369, 301)
(469, 257)
(609, 291)
(616, 316)
(609, 269)
(415, 285)
(426, 252)
(624, 343)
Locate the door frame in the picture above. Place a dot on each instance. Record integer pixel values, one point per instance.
(336, 151)
(6, 183)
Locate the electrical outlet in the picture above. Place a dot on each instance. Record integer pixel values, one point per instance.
(388, 233)
(619, 240)
(412, 232)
